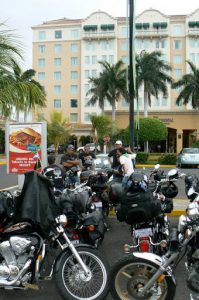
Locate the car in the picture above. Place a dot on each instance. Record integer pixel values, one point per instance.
(187, 157)
(101, 161)
(92, 148)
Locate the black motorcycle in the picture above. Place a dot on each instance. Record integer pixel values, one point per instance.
(37, 228)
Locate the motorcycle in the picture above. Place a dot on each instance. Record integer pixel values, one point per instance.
(148, 276)
(37, 229)
(85, 222)
(144, 207)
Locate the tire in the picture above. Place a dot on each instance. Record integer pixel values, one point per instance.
(71, 282)
(137, 271)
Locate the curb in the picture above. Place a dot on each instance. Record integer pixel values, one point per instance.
(152, 166)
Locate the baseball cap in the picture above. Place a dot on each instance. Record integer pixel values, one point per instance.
(70, 147)
(118, 142)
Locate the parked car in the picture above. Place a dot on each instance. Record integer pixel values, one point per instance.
(51, 149)
(92, 148)
(188, 156)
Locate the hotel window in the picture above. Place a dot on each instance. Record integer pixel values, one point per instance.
(86, 117)
(178, 73)
(73, 117)
(124, 46)
(74, 89)
(192, 43)
(41, 75)
(197, 58)
(177, 44)
(93, 46)
(94, 59)
(157, 102)
(104, 45)
(124, 103)
(58, 34)
(146, 44)
(125, 60)
(111, 59)
(164, 101)
(192, 57)
(86, 74)
(57, 89)
(86, 100)
(86, 88)
(74, 61)
(41, 49)
(57, 48)
(74, 33)
(73, 103)
(57, 103)
(177, 29)
(104, 57)
(94, 73)
(177, 59)
(41, 62)
(124, 31)
(138, 44)
(57, 75)
(57, 62)
(111, 45)
(160, 44)
(86, 60)
(87, 46)
(164, 57)
(42, 35)
(74, 47)
(73, 75)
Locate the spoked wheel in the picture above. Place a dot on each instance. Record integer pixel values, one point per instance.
(72, 282)
(131, 274)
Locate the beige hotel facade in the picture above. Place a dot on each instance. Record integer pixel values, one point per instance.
(66, 53)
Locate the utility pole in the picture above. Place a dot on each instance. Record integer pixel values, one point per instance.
(131, 74)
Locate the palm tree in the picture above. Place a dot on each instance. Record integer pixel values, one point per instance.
(152, 72)
(10, 50)
(27, 92)
(190, 87)
(58, 129)
(110, 85)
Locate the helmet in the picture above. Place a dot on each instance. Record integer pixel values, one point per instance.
(170, 191)
(137, 183)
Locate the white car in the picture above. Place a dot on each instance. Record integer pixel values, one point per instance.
(92, 148)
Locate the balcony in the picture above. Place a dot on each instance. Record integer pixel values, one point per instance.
(153, 33)
(98, 35)
(193, 32)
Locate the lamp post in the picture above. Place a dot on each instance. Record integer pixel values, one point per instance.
(131, 74)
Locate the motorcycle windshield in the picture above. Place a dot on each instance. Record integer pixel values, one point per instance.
(36, 202)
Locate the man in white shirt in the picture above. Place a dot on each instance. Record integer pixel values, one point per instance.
(125, 160)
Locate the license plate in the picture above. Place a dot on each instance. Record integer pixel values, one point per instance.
(98, 204)
(143, 232)
(75, 242)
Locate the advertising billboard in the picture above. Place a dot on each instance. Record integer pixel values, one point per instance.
(26, 147)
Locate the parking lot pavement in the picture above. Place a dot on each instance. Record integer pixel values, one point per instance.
(112, 248)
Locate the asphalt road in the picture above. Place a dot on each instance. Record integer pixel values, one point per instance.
(11, 180)
(112, 248)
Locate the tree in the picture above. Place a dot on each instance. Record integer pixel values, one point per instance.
(190, 87)
(152, 72)
(26, 92)
(110, 85)
(58, 129)
(10, 50)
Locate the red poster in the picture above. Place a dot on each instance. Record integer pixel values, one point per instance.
(24, 148)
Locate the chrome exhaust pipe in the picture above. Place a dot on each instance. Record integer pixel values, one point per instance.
(21, 273)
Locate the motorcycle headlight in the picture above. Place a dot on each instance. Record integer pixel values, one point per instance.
(63, 220)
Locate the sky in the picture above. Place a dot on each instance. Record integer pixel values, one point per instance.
(22, 14)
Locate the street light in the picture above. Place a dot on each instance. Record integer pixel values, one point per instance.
(131, 74)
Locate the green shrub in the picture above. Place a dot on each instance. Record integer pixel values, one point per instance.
(142, 157)
(168, 159)
(195, 144)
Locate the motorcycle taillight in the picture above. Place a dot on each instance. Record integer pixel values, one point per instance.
(144, 244)
(75, 236)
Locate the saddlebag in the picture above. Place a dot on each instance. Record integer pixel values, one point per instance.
(138, 208)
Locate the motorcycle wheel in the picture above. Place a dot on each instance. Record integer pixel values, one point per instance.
(130, 274)
(74, 285)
